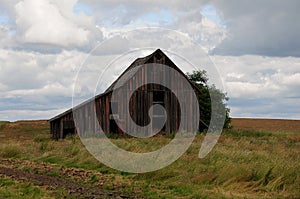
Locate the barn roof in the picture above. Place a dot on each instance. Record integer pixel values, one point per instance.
(131, 69)
(125, 76)
(137, 62)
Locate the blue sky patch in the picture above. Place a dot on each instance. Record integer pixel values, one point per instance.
(211, 13)
(82, 8)
(3, 19)
(163, 15)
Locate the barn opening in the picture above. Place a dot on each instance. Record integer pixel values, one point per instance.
(68, 128)
(113, 116)
(158, 114)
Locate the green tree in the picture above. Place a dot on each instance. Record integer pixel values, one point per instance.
(200, 79)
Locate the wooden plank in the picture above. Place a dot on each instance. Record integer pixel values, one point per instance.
(106, 115)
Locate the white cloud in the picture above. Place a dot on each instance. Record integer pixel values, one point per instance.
(3, 34)
(292, 80)
(202, 30)
(261, 86)
(30, 80)
(53, 22)
(31, 70)
(38, 63)
(212, 34)
(23, 114)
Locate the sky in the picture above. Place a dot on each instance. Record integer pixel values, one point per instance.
(254, 46)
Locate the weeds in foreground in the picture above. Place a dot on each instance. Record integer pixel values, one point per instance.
(12, 189)
(10, 151)
(244, 164)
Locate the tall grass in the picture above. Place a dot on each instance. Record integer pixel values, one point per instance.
(12, 189)
(242, 164)
(10, 151)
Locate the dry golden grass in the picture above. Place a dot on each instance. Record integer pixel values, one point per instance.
(244, 164)
(271, 125)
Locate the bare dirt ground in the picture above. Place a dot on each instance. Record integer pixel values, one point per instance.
(270, 125)
(67, 178)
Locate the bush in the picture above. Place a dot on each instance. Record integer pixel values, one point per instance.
(208, 92)
(10, 151)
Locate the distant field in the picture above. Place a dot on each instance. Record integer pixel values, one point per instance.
(255, 159)
(271, 125)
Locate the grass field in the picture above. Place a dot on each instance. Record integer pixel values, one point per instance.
(246, 163)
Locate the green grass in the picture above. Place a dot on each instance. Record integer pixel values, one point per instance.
(244, 164)
(10, 151)
(244, 133)
(12, 189)
(94, 178)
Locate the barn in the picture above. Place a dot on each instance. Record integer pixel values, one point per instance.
(141, 100)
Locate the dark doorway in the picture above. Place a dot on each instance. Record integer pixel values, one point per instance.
(158, 99)
(113, 116)
(68, 128)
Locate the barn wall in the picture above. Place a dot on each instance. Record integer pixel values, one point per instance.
(61, 125)
(142, 100)
(140, 103)
(86, 115)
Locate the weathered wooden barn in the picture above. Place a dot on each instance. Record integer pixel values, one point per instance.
(140, 102)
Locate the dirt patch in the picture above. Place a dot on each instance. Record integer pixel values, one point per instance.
(70, 179)
(270, 125)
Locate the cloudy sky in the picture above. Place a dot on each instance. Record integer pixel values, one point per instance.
(254, 45)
